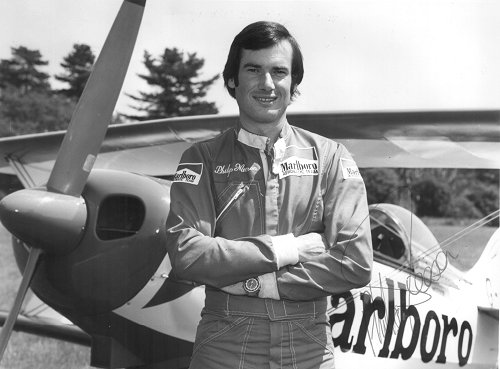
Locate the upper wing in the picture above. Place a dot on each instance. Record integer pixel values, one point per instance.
(446, 139)
(443, 139)
(152, 147)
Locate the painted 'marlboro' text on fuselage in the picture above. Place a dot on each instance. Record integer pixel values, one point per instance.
(397, 326)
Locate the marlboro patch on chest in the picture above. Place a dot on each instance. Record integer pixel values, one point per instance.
(296, 166)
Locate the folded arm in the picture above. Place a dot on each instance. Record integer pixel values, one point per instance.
(195, 253)
(347, 257)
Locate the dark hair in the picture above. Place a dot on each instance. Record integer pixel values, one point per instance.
(257, 36)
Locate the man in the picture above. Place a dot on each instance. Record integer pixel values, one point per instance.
(271, 218)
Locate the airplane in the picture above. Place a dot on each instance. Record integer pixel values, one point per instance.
(89, 233)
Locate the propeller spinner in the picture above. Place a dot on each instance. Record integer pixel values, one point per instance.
(32, 214)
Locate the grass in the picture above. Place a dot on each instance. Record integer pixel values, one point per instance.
(27, 351)
(463, 240)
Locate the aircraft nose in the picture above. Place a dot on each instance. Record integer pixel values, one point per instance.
(50, 221)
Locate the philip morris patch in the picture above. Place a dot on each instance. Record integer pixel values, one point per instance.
(349, 169)
(189, 173)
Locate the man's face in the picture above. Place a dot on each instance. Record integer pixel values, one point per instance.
(263, 91)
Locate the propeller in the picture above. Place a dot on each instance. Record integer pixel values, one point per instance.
(35, 216)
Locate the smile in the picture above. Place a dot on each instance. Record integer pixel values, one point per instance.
(265, 100)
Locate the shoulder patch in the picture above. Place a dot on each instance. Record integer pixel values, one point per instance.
(189, 173)
(349, 169)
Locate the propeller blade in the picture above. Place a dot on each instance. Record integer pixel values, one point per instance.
(86, 130)
(93, 113)
(18, 302)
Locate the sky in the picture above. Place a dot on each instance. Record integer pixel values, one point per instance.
(359, 55)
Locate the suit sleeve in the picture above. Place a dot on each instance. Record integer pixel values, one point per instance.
(195, 254)
(348, 259)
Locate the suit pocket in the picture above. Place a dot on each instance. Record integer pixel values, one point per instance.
(214, 327)
(239, 209)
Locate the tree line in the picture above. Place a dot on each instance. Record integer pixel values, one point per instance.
(436, 192)
(29, 103)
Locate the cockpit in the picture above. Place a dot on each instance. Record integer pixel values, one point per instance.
(399, 237)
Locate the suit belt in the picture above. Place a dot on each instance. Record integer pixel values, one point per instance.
(217, 301)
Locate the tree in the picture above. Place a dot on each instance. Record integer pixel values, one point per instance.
(431, 197)
(34, 112)
(21, 71)
(178, 91)
(27, 104)
(382, 185)
(484, 197)
(77, 65)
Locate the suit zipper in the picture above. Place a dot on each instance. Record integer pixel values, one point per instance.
(241, 190)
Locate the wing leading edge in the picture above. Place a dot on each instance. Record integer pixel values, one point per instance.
(443, 139)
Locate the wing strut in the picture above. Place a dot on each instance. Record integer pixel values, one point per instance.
(29, 270)
(21, 172)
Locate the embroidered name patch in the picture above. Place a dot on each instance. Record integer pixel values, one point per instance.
(237, 167)
(295, 166)
(189, 173)
(349, 169)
